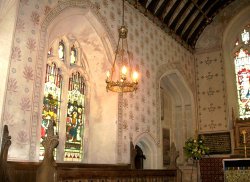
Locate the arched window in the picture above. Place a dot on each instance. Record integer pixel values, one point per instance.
(242, 71)
(64, 79)
(51, 101)
(73, 55)
(75, 118)
(61, 50)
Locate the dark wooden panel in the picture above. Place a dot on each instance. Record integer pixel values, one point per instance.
(26, 172)
(211, 170)
(218, 143)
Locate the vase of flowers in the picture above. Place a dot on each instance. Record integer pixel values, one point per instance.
(195, 148)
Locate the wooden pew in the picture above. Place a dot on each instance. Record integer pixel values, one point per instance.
(6, 142)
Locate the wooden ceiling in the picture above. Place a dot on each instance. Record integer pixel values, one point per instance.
(183, 19)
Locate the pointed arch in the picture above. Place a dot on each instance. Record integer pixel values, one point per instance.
(74, 7)
(149, 147)
(181, 114)
(232, 30)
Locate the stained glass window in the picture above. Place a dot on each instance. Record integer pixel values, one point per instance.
(69, 113)
(51, 102)
(61, 50)
(242, 70)
(75, 118)
(245, 36)
(73, 55)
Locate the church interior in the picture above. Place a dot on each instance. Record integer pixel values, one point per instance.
(125, 90)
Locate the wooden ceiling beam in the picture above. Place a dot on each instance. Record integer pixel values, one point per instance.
(178, 17)
(143, 3)
(171, 12)
(185, 21)
(160, 11)
(196, 21)
(153, 5)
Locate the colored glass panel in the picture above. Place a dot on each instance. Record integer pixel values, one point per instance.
(73, 55)
(242, 70)
(245, 36)
(75, 119)
(61, 50)
(51, 102)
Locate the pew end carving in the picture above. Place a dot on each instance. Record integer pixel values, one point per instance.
(6, 142)
(47, 169)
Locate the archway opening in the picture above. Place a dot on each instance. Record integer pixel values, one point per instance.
(177, 113)
(139, 158)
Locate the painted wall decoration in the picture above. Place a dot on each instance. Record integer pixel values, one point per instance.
(212, 113)
(139, 114)
(211, 78)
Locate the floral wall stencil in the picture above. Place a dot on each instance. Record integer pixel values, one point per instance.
(28, 73)
(214, 111)
(137, 113)
(211, 92)
(16, 54)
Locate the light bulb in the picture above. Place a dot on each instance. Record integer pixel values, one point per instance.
(124, 70)
(108, 75)
(135, 76)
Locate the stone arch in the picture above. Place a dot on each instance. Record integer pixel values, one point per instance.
(149, 147)
(83, 8)
(181, 120)
(231, 31)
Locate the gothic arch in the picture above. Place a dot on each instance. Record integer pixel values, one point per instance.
(102, 29)
(149, 147)
(182, 122)
(230, 33)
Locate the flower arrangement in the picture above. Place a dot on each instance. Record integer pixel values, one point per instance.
(195, 148)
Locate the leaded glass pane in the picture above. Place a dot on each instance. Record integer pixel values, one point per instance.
(61, 50)
(51, 102)
(245, 36)
(75, 118)
(242, 70)
(73, 55)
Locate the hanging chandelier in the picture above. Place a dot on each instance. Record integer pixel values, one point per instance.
(121, 77)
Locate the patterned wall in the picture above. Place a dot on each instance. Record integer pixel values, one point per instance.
(154, 53)
(213, 110)
(211, 92)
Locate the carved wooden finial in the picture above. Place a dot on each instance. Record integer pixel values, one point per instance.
(6, 142)
(47, 170)
(49, 143)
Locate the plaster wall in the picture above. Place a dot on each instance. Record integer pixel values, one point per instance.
(216, 90)
(7, 23)
(154, 53)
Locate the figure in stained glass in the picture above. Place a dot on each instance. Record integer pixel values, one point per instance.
(73, 55)
(61, 50)
(51, 102)
(75, 118)
(242, 70)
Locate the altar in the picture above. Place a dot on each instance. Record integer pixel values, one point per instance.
(236, 170)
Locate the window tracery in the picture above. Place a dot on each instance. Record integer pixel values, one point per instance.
(71, 113)
(242, 71)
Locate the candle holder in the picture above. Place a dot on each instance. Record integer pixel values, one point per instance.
(244, 133)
